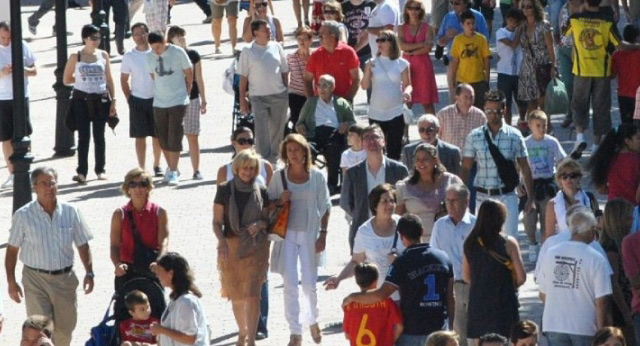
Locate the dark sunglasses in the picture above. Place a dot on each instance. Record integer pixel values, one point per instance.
(414, 8)
(382, 39)
(570, 176)
(245, 141)
(134, 184)
(429, 129)
(95, 38)
(264, 4)
(329, 11)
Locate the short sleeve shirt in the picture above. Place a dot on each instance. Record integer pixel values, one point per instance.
(134, 63)
(186, 315)
(356, 19)
(338, 64)
(263, 66)
(371, 324)
(385, 13)
(137, 331)
(452, 21)
(595, 37)
(169, 87)
(422, 276)
(455, 127)
(471, 53)
(544, 154)
(510, 143)
(6, 82)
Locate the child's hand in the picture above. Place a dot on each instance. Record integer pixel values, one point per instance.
(156, 328)
(331, 283)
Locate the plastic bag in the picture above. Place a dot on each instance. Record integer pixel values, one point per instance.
(556, 100)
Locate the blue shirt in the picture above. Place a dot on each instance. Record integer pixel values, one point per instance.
(452, 21)
(450, 237)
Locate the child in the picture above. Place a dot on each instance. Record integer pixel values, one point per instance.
(624, 65)
(443, 338)
(544, 153)
(524, 333)
(371, 324)
(355, 154)
(470, 58)
(137, 329)
(510, 55)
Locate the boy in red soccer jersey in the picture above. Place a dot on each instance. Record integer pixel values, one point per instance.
(371, 324)
(136, 331)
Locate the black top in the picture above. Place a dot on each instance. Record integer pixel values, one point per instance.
(422, 275)
(356, 18)
(195, 58)
(625, 286)
(223, 194)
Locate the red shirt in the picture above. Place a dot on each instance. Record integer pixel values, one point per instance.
(625, 64)
(137, 331)
(147, 224)
(624, 177)
(337, 64)
(371, 324)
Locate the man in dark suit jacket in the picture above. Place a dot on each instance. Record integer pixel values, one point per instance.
(362, 178)
(449, 154)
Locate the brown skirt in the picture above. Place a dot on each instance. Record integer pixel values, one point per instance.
(242, 278)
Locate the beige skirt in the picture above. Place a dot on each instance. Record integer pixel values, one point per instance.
(242, 278)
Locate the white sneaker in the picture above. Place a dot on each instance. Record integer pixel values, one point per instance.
(197, 176)
(533, 252)
(8, 183)
(173, 179)
(165, 178)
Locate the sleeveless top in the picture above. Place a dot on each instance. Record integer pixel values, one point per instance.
(560, 208)
(90, 77)
(147, 224)
(260, 179)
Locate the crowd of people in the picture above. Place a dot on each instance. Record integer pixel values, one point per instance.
(433, 224)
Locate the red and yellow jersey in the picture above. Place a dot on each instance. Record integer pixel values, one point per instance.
(371, 324)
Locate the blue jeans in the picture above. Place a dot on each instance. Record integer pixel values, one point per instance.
(412, 340)
(563, 339)
(264, 309)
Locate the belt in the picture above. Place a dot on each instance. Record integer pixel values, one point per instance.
(52, 272)
(493, 192)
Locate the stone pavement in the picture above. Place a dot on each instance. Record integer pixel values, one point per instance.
(189, 205)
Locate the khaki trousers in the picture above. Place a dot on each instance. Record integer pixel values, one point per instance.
(53, 296)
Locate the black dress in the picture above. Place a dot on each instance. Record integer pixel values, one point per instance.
(493, 300)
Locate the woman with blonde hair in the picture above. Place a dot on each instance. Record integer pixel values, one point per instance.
(306, 189)
(389, 78)
(240, 222)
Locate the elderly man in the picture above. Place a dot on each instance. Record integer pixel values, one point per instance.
(363, 177)
(384, 16)
(575, 285)
(428, 127)
(43, 232)
(324, 121)
(37, 331)
(6, 94)
(496, 147)
(336, 59)
(263, 74)
(448, 235)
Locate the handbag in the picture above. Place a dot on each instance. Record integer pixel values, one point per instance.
(506, 168)
(506, 261)
(142, 255)
(280, 218)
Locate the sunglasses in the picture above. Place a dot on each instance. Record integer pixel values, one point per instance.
(382, 39)
(245, 141)
(134, 184)
(492, 111)
(329, 11)
(566, 176)
(48, 183)
(429, 129)
(257, 6)
(414, 8)
(95, 38)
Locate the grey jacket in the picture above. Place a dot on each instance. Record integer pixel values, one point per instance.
(448, 154)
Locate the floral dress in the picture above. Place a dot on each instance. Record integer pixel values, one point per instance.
(535, 54)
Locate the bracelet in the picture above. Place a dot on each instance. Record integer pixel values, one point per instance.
(323, 230)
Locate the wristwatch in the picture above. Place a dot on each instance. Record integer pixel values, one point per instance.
(90, 274)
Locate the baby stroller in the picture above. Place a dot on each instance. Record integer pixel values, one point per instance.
(107, 333)
(232, 86)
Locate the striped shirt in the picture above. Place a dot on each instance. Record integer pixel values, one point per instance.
(47, 242)
(510, 143)
(296, 74)
(455, 127)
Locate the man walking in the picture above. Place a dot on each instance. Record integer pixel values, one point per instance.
(43, 232)
(172, 76)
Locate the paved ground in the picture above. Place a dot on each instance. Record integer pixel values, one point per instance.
(190, 204)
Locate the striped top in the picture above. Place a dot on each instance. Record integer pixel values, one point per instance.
(47, 242)
(296, 74)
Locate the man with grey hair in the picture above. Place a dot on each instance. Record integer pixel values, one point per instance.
(428, 127)
(575, 285)
(336, 59)
(43, 232)
(449, 234)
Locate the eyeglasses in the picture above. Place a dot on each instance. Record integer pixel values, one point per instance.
(258, 5)
(492, 111)
(527, 7)
(245, 141)
(329, 11)
(48, 183)
(429, 129)
(95, 38)
(414, 8)
(574, 175)
(382, 39)
(134, 184)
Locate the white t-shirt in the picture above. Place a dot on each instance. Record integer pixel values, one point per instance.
(299, 213)
(383, 14)
(510, 59)
(573, 275)
(134, 63)
(544, 154)
(6, 82)
(351, 158)
(263, 66)
(185, 315)
(326, 114)
(377, 248)
(386, 95)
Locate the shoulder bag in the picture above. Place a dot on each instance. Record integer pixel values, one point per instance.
(506, 168)
(280, 217)
(142, 255)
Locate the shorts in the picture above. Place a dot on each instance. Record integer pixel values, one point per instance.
(141, 117)
(168, 124)
(192, 118)
(232, 9)
(6, 119)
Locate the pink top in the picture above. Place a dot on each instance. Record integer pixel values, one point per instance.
(624, 177)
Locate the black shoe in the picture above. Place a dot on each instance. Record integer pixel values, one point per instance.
(576, 154)
(158, 172)
(120, 48)
(334, 190)
(261, 336)
(439, 52)
(127, 34)
(73, 4)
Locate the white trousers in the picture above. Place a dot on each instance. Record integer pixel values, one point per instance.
(296, 247)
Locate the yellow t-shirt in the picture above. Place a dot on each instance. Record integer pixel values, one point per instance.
(595, 37)
(471, 53)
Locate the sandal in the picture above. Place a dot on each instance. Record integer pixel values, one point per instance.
(316, 333)
(295, 340)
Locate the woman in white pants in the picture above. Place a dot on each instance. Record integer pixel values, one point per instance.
(306, 232)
